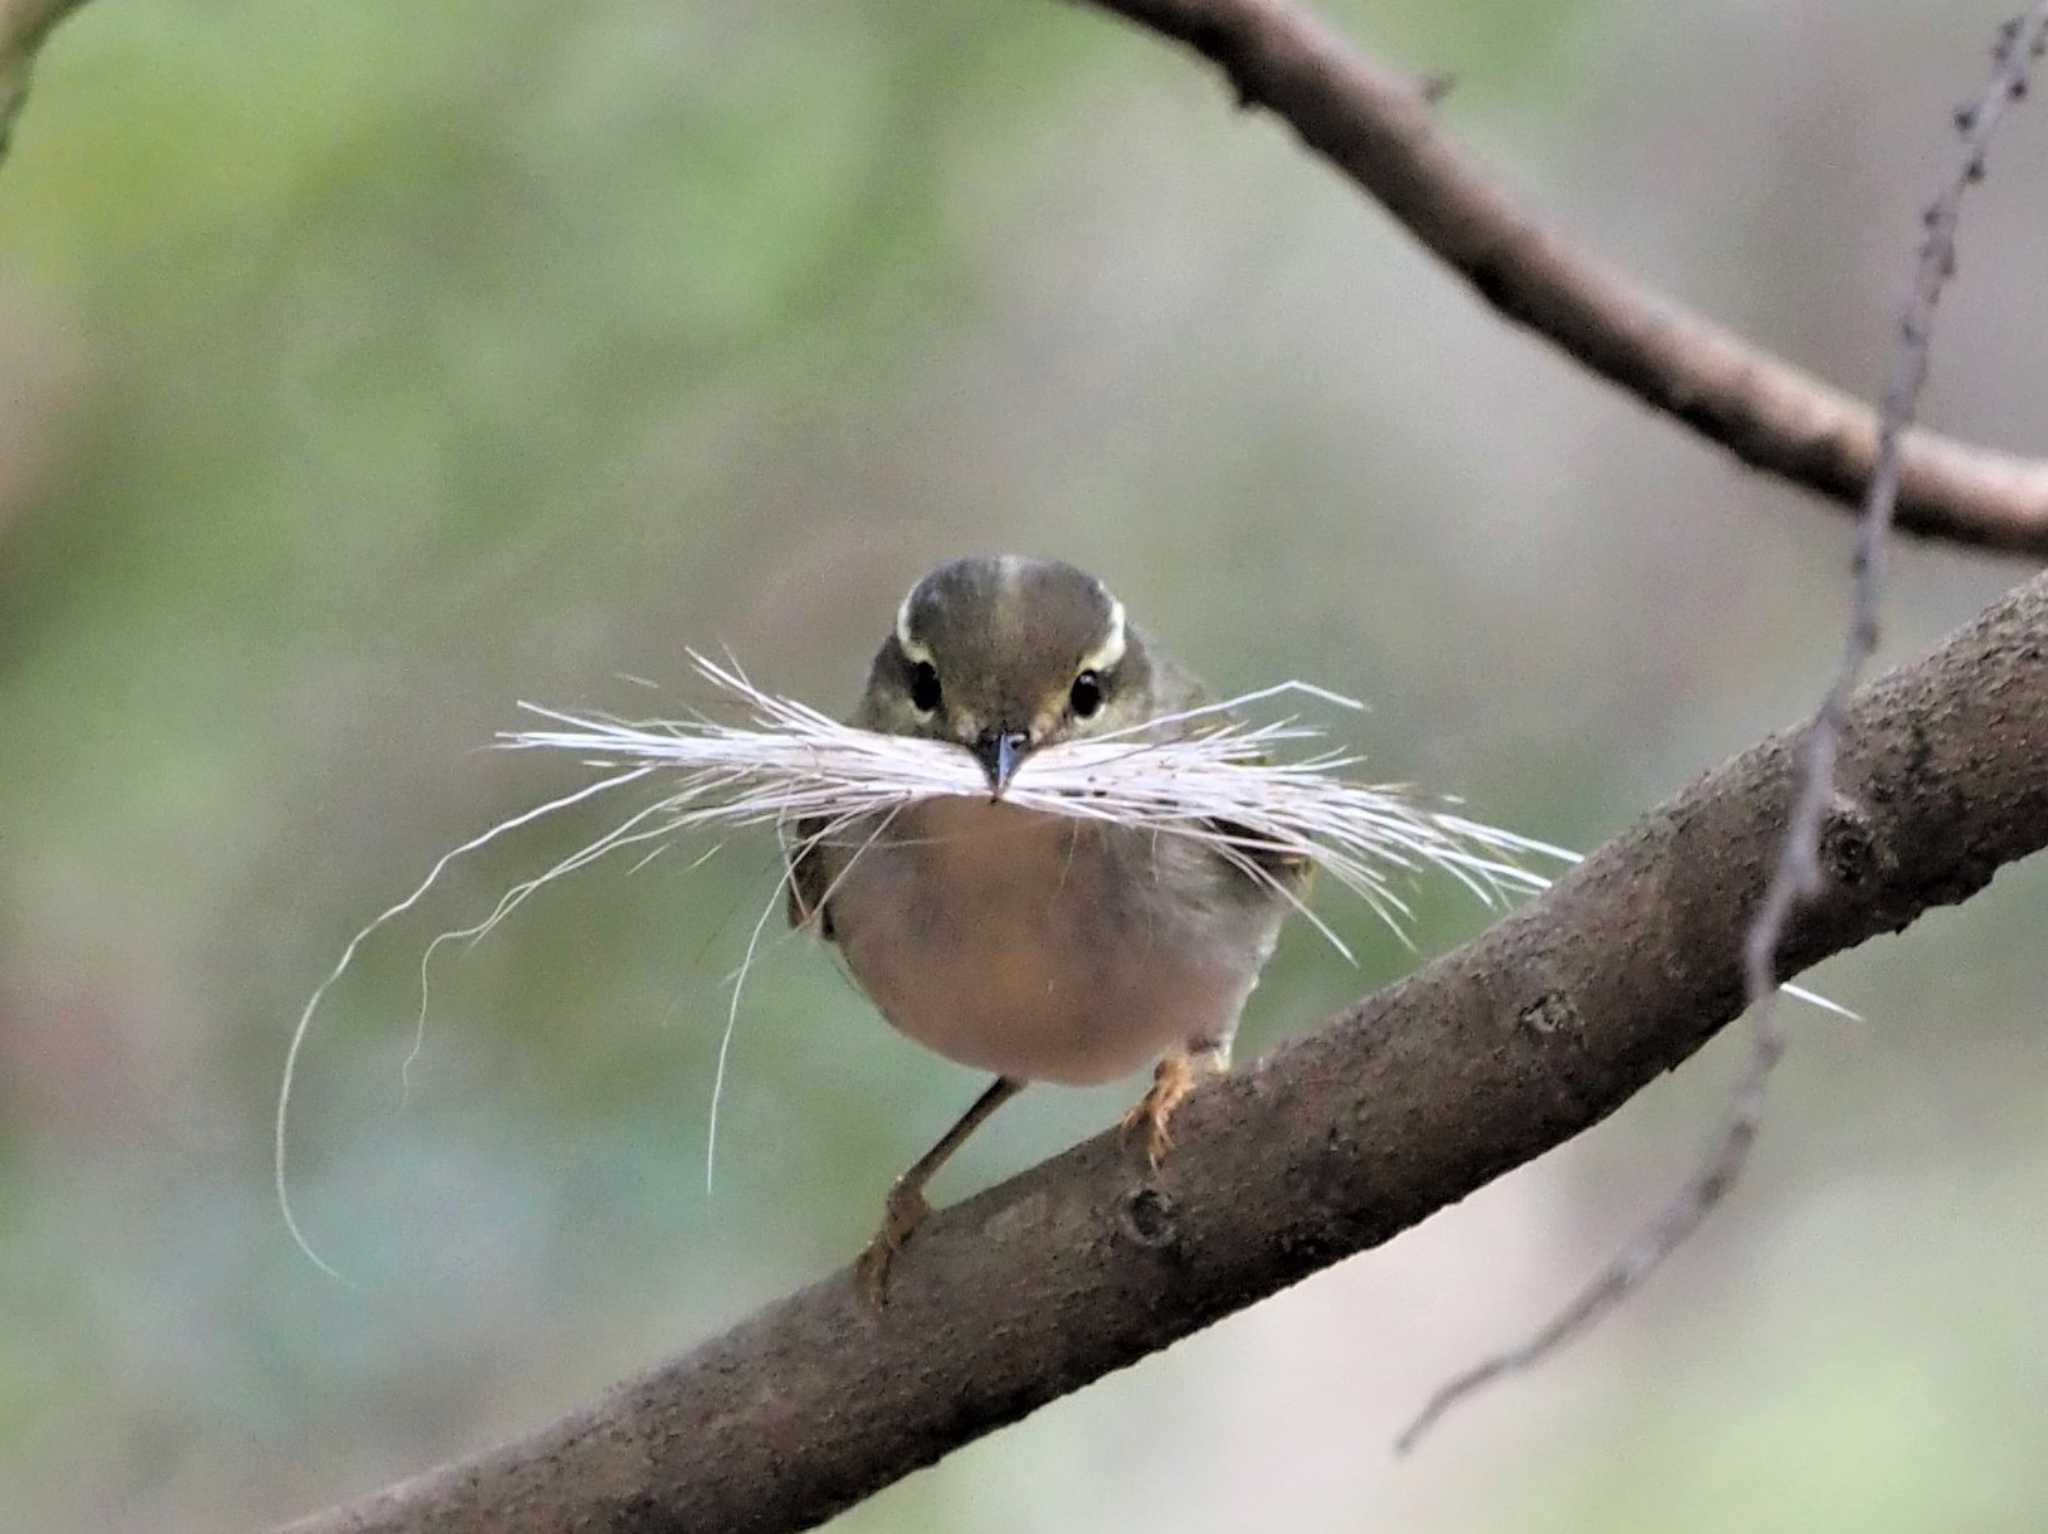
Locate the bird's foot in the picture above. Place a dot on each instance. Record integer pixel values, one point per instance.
(1174, 1081)
(904, 1210)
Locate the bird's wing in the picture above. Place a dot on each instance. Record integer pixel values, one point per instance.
(810, 876)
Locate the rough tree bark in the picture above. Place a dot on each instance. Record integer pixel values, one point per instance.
(1397, 1106)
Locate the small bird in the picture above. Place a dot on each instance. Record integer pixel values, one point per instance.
(1034, 946)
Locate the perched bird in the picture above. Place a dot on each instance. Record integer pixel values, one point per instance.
(1037, 947)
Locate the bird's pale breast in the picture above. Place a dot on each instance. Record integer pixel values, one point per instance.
(1043, 947)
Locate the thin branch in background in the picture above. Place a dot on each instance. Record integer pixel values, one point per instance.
(1797, 874)
(1379, 129)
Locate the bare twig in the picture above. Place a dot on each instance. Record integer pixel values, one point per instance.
(1379, 129)
(23, 26)
(1338, 1140)
(1797, 873)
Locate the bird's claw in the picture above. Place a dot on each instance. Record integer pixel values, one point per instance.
(904, 1210)
(1173, 1082)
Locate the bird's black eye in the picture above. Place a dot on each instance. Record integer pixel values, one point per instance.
(924, 687)
(1086, 697)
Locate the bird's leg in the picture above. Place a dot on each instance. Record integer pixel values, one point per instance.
(1174, 1081)
(905, 1208)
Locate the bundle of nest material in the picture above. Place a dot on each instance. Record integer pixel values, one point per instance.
(1203, 773)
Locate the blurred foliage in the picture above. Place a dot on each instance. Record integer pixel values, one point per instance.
(365, 368)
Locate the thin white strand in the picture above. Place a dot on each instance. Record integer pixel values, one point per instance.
(1264, 875)
(1243, 700)
(517, 896)
(507, 904)
(305, 1023)
(739, 978)
(732, 1017)
(657, 852)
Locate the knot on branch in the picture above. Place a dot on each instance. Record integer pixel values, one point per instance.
(1149, 1217)
(1550, 1013)
(1849, 848)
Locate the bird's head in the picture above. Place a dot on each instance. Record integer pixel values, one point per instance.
(1003, 654)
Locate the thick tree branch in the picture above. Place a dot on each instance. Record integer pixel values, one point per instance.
(1400, 1105)
(23, 26)
(1379, 129)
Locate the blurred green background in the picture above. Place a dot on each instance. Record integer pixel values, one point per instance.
(365, 368)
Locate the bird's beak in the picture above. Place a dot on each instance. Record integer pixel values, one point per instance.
(999, 752)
